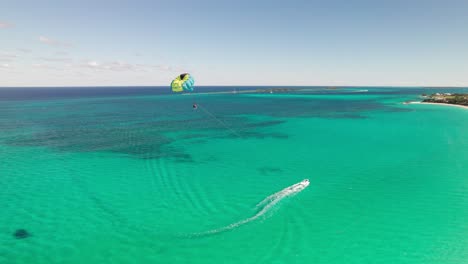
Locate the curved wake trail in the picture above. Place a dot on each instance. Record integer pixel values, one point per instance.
(293, 188)
(268, 203)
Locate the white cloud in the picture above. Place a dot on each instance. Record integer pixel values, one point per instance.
(4, 24)
(162, 67)
(55, 59)
(25, 50)
(53, 42)
(46, 67)
(7, 56)
(113, 66)
(122, 66)
(46, 40)
(93, 64)
(61, 53)
(55, 69)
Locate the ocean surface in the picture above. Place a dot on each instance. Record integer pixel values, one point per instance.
(136, 175)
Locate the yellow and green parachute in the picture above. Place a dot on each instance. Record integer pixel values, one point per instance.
(183, 83)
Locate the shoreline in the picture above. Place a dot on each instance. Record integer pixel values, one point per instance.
(460, 106)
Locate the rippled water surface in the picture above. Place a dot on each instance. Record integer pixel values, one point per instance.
(135, 175)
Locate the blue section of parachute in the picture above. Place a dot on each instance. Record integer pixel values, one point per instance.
(188, 84)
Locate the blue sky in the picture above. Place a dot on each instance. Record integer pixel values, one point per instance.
(74, 43)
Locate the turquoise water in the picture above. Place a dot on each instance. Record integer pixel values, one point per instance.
(124, 177)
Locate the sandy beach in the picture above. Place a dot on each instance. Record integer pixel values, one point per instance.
(461, 106)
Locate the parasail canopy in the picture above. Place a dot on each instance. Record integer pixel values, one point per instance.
(183, 82)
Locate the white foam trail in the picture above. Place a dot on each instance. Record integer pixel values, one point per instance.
(285, 190)
(361, 91)
(268, 203)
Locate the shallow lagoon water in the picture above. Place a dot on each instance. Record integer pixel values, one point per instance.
(130, 175)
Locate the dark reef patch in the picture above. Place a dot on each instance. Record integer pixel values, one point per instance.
(21, 234)
(350, 116)
(269, 170)
(264, 123)
(392, 109)
(160, 127)
(262, 135)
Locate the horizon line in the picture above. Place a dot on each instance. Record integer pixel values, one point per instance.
(272, 86)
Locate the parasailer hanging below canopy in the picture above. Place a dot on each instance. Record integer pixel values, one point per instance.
(183, 83)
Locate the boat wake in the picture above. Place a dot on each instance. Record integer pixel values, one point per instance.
(361, 91)
(264, 206)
